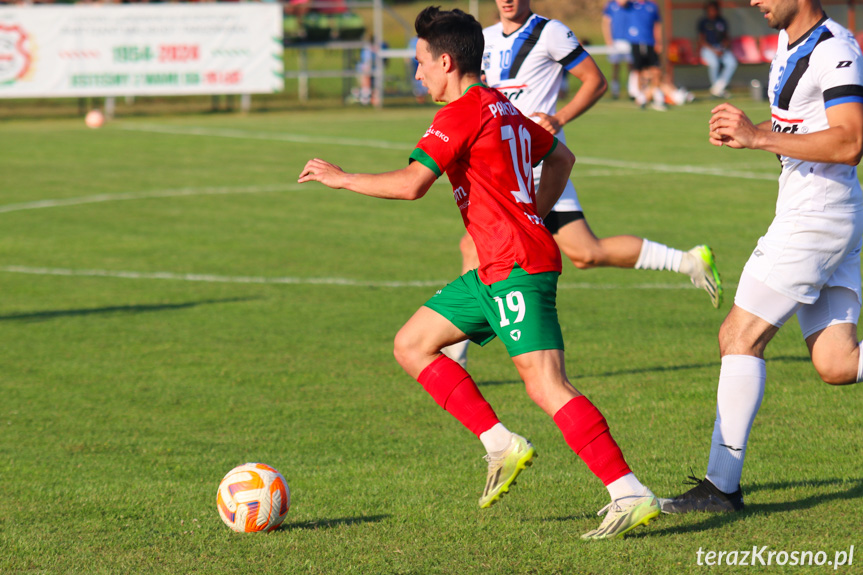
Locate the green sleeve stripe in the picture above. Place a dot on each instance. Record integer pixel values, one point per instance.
(419, 155)
(550, 150)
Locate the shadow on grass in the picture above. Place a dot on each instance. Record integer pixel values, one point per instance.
(330, 523)
(718, 520)
(127, 309)
(655, 369)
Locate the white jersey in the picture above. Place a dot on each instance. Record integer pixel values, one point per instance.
(822, 69)
(528, 66)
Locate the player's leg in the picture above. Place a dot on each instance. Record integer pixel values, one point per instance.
(448, 317)
(578, 242)
(830, 329)
(639, 69)
(615, 81)
(757, 315)
(587, 433)
(729, 66)
(711, 60)
(470, 261)
(656, 89)
(417, 349)
(521, 310)
(616, 59)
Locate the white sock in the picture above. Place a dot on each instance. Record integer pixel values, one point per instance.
(860, 363)
(632, 84)
(654, 256)
(496, 439)
(626, 486)
(741, 388)
(457, 352)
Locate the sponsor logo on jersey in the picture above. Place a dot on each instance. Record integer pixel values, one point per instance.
(432, 132)
(788, 126)
(461, 198)
(513, 92)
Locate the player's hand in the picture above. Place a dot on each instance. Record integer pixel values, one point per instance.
(550, 123)
(729, 126)
(318, 170)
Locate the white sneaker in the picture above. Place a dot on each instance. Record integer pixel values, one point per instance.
(625, 514)
(717, 90)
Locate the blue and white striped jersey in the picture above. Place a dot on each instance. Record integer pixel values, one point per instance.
(824, 68)
(528, 65)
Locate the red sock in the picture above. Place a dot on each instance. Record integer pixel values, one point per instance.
(586, 432)
(454, 390)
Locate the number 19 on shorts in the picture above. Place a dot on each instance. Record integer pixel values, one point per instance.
(515, 304)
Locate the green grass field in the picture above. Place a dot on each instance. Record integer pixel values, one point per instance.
(174, 304)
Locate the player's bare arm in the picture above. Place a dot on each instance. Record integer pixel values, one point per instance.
(593, 86)
(556, 168)
(410, 183)
(606, 30)
(841, 143)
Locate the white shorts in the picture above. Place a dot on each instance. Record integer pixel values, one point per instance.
(835, 305)
(803, 252)
(568, 201)
(622, 52)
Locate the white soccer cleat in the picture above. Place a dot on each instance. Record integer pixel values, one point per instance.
(705, 274)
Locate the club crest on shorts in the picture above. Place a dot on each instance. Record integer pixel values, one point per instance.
(515, 334)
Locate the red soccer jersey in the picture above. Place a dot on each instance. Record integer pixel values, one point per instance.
(488, 148)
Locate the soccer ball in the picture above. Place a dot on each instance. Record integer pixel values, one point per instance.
(253, 497)
(94, 119)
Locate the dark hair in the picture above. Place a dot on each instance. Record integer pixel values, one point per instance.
(455, 33)
(712, 4)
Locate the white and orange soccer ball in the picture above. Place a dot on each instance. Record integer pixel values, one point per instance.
(94, 119)
(253, 497)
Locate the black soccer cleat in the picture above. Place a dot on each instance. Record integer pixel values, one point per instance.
(703, 497)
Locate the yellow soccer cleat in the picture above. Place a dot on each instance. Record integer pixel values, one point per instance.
(503, 469)
(625, 514)
(706, 274)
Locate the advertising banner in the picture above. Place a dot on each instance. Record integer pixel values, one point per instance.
(144, 49)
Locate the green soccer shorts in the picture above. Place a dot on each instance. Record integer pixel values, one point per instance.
(520, 310)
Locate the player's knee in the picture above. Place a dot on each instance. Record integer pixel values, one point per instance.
(405, 348)
(835, 370)
(733, 342)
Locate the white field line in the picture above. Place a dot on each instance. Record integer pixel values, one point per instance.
(41, 204)
(210, 278)
(180, 192)
(387, 145)
(270, 136)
